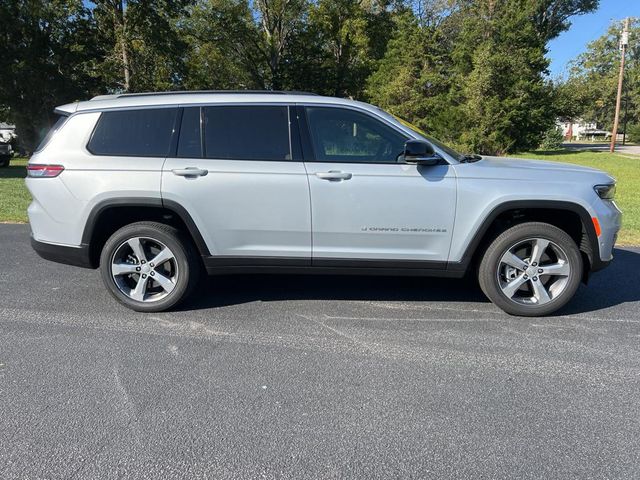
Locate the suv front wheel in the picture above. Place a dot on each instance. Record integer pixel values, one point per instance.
(149, 266)
(531, 269)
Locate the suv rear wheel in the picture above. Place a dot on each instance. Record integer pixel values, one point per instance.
(531, 269)
(149, 266)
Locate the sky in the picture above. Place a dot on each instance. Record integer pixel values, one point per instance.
(584, 29)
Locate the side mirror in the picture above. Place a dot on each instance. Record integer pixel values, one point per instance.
(419, 152)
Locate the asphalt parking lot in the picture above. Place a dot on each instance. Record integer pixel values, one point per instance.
(314, 377)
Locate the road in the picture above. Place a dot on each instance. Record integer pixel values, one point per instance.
(603, 147)
(314, 377)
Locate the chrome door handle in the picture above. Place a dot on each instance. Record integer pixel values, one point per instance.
(334, 175)
(190, 172)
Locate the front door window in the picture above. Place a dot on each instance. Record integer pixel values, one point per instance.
(346, 136)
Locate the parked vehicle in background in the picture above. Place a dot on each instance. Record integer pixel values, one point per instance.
(6, 152)
(155, 188)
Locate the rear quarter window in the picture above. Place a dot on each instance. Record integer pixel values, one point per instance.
(56, 126)
(136, 133)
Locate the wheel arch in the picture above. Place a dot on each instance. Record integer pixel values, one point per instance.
(109, 215)
(569, 216)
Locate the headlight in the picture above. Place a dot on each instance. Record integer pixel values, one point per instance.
(606, 192)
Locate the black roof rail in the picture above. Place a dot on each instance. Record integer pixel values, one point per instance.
(220, 92)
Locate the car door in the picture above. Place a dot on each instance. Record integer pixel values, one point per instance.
(234, 171)
(368, 207)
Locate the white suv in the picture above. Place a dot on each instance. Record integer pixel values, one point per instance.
(154, 188)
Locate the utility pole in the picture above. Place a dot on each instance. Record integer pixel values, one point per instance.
(624, 42)
(626, 115)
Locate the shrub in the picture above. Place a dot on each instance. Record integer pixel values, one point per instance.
(633, 133)
(552, 139)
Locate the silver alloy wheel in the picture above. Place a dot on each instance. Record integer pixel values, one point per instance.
(533, 272)
(144, 269)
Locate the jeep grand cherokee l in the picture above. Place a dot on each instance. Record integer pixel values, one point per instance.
(155, 188)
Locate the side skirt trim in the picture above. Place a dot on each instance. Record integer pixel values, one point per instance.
(226, 265)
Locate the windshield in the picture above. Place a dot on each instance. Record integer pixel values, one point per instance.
(448, 150)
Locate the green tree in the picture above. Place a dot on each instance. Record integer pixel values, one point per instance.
(551, 17)
(335, 51)
(593, 78)
(279, 21)
(414, 80)
(237, 44)
(146, 50)
(469, 71)
(474, 71)
(501, 62)
(48, 51)
(224, 47)
(569, 100)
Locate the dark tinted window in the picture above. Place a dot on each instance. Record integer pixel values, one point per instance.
(342, 135)
(247, 133)
(190, 143)
(134, 133)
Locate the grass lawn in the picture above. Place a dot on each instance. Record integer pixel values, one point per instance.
(14, 197)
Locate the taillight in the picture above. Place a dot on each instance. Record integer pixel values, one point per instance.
(44, 171)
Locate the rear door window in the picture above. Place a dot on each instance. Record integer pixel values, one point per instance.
(256, 132)
(138, 133)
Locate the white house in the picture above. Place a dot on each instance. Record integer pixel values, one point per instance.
(581, 130)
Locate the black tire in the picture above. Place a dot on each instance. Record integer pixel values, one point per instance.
(4, 161)
(488, 273)
(185, 264)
